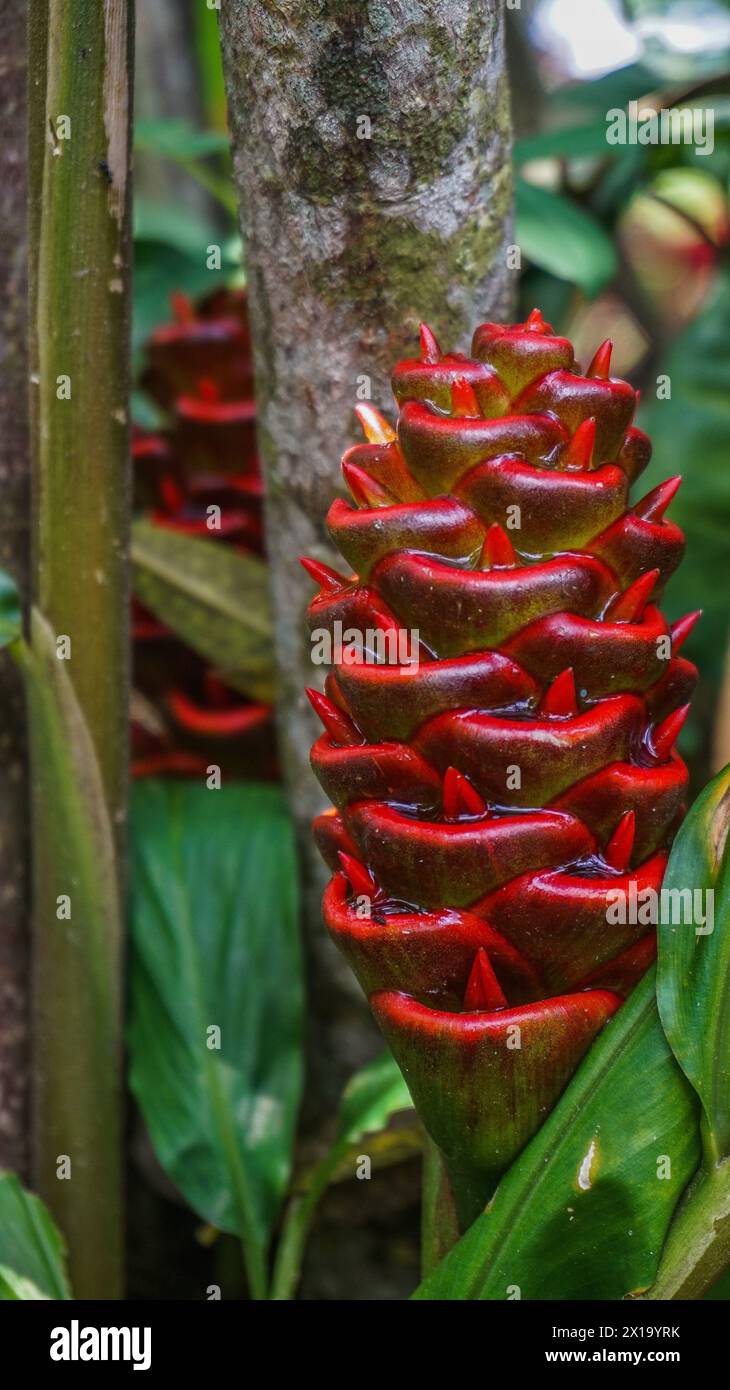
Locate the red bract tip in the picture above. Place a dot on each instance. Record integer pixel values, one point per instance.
(498, 551)
(620, 846)
(460, 798)
(665, 735)
(535, 322)
(328, 579)
(579, 451)
(430, 350)
(629, 606)
(463, 400)
(375, 426)
(338, 724)
(208, 391)
(365, 490)
(561, 696)
(483, 991)
(182, 308)
(360, 878)
(171, 494)
(682, 629)
(653, 506)
(601, 364)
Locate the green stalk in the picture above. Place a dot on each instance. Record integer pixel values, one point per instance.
(79, 253)
(697, 1250)
(439, 1219)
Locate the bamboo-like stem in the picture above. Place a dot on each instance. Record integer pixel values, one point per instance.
(80, 95)
(439, 1217)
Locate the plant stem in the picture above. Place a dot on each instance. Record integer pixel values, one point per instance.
(439, 1219)
(79, 168)
(697, 1250)
(14, 558)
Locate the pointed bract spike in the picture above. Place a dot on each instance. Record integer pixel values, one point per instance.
(337, 724)
(483, 991)
(629, 606)
(365, 490)
(653, 506)
(561, 696)
(579, 451)
(208, 390)
(535, 322)
(375, 426)
(182, 307)
(498, 551)
(463, 400)
(430, 350)
(328, 579)
(460, 797)
(682, 629)
(665, 735)
(601, 365)
(621, 844)
(359, 877)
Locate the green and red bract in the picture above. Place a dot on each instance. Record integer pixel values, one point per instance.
(490, 795)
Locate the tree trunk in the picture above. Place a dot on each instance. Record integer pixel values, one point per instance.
(371, 153)
(14, 545)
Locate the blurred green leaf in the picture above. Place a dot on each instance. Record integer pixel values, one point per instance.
(582, 1214)
(370, 1098)
(13, 1287)
(32, 1252)
(560, 237)
(568, 142)
(210, 64)
(213, 598)
(11, 617)
(178, 139)
(164, 223)
(690, 435)
(615, 88)
(190, 148)
(693, 979)
(215, 944)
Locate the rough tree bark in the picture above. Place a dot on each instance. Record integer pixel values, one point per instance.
(371, 153)
(14, 545)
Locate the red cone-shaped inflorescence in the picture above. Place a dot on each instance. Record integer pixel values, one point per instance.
(200, 373)
(503, 800)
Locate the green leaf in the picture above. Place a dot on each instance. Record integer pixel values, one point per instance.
(161, 222)
(11, 617)
(560, 237)
(583, 1212)
(215, 944)
(177, 139)
(159, 269)
(14, 1287)
(616, 88)
(690, 435)
(693, 978)
(32, 1252)
(212, 597)
(370, 1098)
(569, 142)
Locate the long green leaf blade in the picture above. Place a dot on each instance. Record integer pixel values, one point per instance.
(693, 979)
